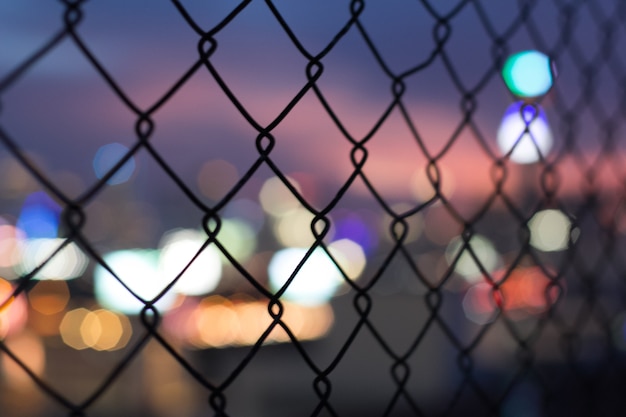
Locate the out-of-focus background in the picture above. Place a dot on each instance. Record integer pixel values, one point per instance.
(329, 208)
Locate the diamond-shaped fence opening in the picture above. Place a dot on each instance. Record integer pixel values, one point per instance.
(325, 209)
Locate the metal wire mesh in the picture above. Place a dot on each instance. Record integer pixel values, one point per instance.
(381, 90)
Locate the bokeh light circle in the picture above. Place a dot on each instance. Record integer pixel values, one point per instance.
(239, 238)
(350, 256)
(49, 297)
(39, 217)
(528, 74)
(276, 199)
(69, 262)
(137, 268)
(315, 283)
(294, 228)
(354, 227)
(466, 265)
(525, 147)
(479, 305)
(549, 230)
(178, 249)
(107, 157)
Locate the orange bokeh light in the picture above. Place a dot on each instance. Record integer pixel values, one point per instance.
(521, 293)
(217, 321)
(13, 312)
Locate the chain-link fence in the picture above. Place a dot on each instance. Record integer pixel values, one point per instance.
(329, 208)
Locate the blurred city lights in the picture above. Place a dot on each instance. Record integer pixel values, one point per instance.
(69, 328)
(138, 269)
(524, 133)
(276, 199)
(49, 297)
(293, 229)
(48, 300)
(478, 304)
(70, 262)
(528, 74)
(39, 217)
(14, 313)
(527, 291)
(353, 227)
(350, 257)
(466, 265)
(549, 230)
(220, 322)
(305, 322)
(105, 330)
(315, 283)
(90, 329)
(216, 323)
(178, 248)
(524, 292)
(238, 237)
(107, 157)
(100, 330)
(177, 321)
(10, 245)
(253, 318)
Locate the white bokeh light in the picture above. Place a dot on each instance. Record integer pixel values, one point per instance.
(178, 249)
(316, 282)
(238, 237)
(294, 228)
(479, 305)
(466, 264)
(350, 256)
(276, 199)
(138, 270)
(70, 262)
(549, 230)
(528, 147)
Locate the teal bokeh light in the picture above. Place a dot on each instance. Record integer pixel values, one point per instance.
(528, 74)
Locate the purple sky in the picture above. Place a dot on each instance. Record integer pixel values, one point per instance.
(62, 111)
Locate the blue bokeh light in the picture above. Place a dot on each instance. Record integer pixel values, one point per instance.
(353, 227)
(107, 157)
(39, 217)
